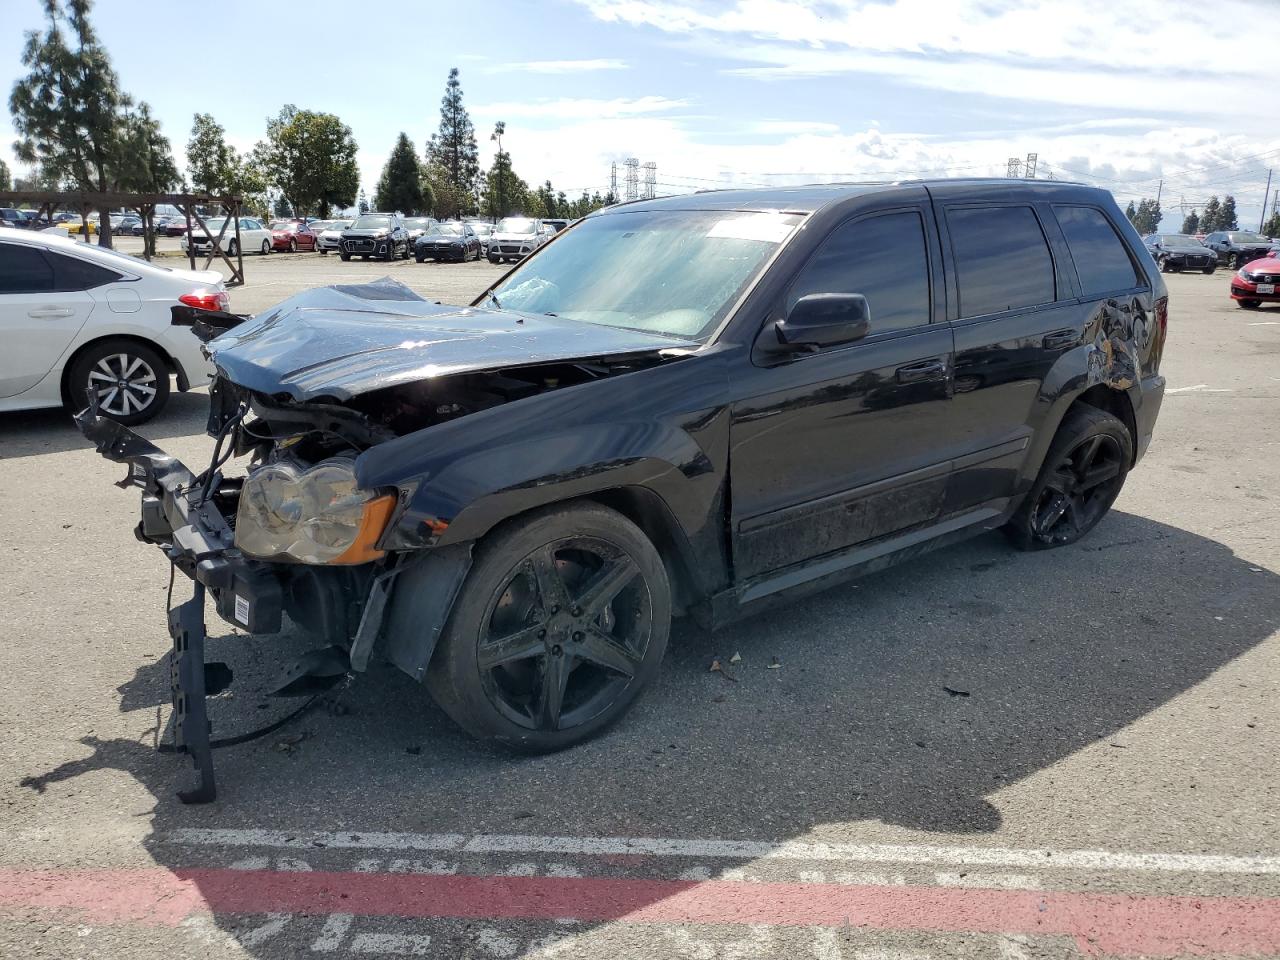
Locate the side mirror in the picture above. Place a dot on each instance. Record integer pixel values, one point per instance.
(820, 320)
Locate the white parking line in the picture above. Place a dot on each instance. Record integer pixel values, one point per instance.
(733, 849)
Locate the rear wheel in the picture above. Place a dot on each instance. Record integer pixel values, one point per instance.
(130, 379)
(561, 623)
(1081, 477)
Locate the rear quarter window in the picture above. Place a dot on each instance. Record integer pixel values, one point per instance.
(24, 270)
(1002, 259)
(1102, 260)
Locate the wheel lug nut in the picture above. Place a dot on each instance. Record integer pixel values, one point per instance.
(556, 651)
(576, 611)
(542, 634)
(577, 635)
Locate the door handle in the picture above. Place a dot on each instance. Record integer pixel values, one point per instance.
(1059, 339)
(50, 313)
(916, 372)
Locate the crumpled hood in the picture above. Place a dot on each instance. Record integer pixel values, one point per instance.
(346, 340)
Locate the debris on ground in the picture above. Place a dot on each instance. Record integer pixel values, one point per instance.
(718, 667)
(954, 692)
(775, 665)
(736, 658)
(287, 744)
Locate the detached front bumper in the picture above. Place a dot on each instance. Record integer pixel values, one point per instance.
(194, 533)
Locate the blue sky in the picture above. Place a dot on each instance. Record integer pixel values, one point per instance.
(734, 92)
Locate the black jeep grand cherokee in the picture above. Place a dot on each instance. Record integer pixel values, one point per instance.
(510, 501)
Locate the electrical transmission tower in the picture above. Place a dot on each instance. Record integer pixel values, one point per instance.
(1015, 168)
(1029, 171)
(650, 180)
(613, 181)
(632, 166)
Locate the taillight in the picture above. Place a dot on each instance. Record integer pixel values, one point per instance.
(207, 301)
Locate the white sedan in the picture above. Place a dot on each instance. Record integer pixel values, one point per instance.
(254, 235)
(76, 317)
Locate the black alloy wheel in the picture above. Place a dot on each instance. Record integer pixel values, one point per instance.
(1080, 479)
(562, 621)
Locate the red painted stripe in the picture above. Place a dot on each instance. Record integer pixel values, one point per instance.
(1127, 925)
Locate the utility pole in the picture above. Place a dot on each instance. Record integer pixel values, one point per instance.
(1262, 221)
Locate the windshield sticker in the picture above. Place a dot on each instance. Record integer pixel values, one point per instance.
(762, 227)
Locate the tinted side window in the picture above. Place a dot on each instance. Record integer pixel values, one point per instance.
(1002, 259)
(72, 274)
(24, 270)
(1101, 258)
(884, 258)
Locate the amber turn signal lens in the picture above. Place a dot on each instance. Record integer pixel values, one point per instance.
(372, 522)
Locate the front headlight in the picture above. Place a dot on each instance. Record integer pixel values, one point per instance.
(313, 515)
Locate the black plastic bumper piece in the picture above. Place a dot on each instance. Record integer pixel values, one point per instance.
(188, 526)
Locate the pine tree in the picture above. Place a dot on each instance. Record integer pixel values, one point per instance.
(504, 193)
(362, 203)
(1131, 212)
(1210, 220)
(1191, 224)
(453, 159)
(148, 159)
(1147, 217)
(5, 183)
(1227, 219)
(400, 187)
(211, 162)
(72, 118)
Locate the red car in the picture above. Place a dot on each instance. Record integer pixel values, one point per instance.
(292, 235)
(1256, 283)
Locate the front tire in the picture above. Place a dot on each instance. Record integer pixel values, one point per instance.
(1209, 269)
(266, 248)
(1249, 304)
(130, 378)
(560, 624)
(1081, 477)
(344, 256)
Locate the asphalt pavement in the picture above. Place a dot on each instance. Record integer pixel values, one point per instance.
(982, 753)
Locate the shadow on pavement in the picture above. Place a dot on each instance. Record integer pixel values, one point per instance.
(907, 698)
(33, 433)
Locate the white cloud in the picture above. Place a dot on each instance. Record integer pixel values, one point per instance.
(570, 108)
(1081, 52)
(793, 126)
(561, 66)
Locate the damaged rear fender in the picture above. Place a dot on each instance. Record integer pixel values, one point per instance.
(1105, 372)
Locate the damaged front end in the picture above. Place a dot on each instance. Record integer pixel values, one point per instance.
(302, 393)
